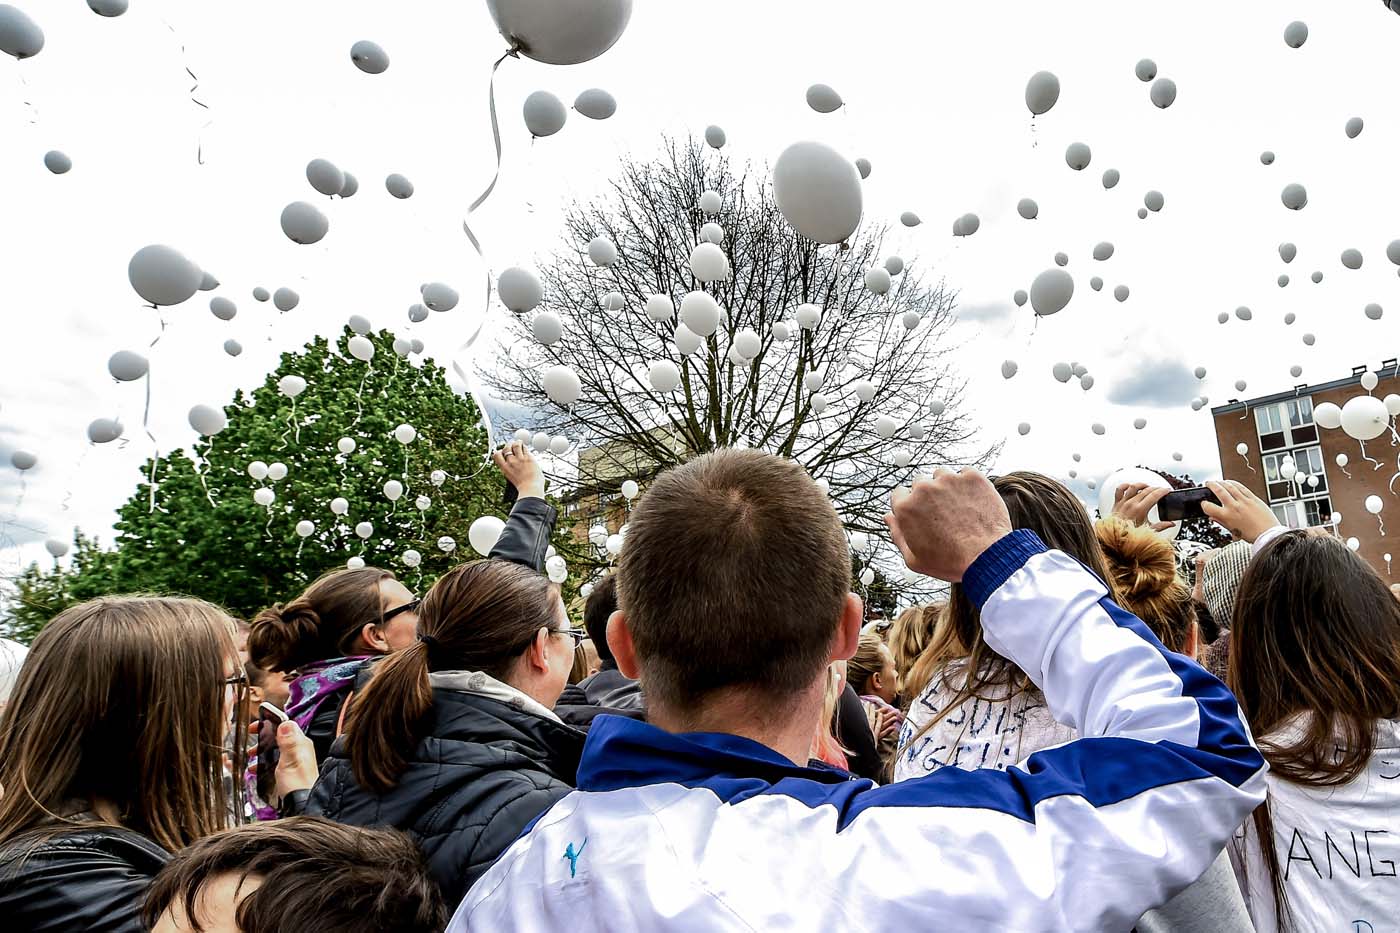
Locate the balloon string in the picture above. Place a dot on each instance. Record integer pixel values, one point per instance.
(301, 544)
(359, 394)
(184, 63)
(203, 470)
(267, 529)
(1367, 457)
(24, 95)
(1248, 464)
(287, 433)
(1348, 475)
(1381, 519)
(146, 425)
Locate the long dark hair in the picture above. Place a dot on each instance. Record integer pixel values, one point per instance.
(479, 616)
(122, 701)
(1316, 632)
(322, 623)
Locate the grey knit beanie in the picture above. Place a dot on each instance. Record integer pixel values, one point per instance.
(1220, 579)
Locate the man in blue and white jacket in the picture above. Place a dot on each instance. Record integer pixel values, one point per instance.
(733, 599)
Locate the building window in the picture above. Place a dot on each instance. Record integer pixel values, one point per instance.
(1285, 424)
(1309, 513)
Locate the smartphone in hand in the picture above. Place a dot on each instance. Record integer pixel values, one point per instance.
(270, 717)
(1182, 504)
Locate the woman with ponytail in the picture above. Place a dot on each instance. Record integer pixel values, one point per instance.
(454, 740)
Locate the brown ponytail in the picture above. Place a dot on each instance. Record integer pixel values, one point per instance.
(480, 616)
(322, 623)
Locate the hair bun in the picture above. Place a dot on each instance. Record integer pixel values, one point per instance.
(1142, 562)
(281, 637)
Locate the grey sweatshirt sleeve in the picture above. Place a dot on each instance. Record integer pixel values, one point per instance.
(1213, 904)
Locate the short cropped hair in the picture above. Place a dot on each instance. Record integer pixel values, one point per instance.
(734, 574)
(315, 875)
(602, 602)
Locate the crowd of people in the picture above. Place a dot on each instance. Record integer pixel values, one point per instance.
(1079, 737)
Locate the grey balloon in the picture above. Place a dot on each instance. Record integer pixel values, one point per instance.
(1008, 369)
(107, 7)
(1317, 277)
(162, 275)
(1373, 311)
(1079, 370)
(324, 176)
(1163, 93)
(57, 162)
(966, 225)
(1121, 292)
(304, 223)
(1051, 291)
(1096, 284)
(1244, 314)
(1295, 197)
(1295, 371)
(544, 114)
(1283, 281)
(208, 282)
(1200, 372)
(1078, 156)
(352, 185)
(232, 347)
(399, 186)
(20, 36)
(1223, 317)
(1142, 213)
(261, 294)
(1111, 178)
(715, 137)
(1309, 339)
(417, 314)
(1241, 385)
(127, 366)
(595, 104)
(285, 299)
(1351, 258)
(1062, 372)
(1139, 423)
(1146, 70)
(1295, 34)
(823, 98)
(1021, 297)
(1061, 259)
(1098, 429)
(104, 430)
(222, 308)
(1290, 317)
(1042, 91)
(863, 166)
(1266, 157)
(910, 219)
(1153, 201)
(1287, 252)
(1354, 127)
(439, 297)
(369, 57)
(1023, 428)
(1103, 251)
(23, 460)
(1392, 252)
(1028, 209)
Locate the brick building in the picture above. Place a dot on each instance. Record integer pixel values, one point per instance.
(1280, 424)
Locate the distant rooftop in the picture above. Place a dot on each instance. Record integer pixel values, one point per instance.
(1354, 379)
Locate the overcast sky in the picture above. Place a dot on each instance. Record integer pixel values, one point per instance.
(934, 98)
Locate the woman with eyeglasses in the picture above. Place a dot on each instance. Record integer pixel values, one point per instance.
(112, 757)
(346, 618)
(454, 740)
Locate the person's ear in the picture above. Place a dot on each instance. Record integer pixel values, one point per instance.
(537, 655)
(848, 629)
(620, 643)
(374, 638)
(255, 695)
(1192, 648)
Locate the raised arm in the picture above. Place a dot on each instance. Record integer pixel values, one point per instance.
(525, 538)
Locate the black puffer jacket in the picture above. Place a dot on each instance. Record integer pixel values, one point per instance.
(485, 771)
(84, 879)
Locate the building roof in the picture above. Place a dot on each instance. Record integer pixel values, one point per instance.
(1354, 379)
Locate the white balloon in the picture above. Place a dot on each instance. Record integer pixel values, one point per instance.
(1086, 382)
(813, 380)
(864, 389)
(712, 232)
(1295, 371)
(284, 299)
(1146, 69)
(1354, 544)
(291, 386)
(1373, 311)
(1295, 197)
(818, 403)
(1028, 209)
(104, 430)
(602, 251)
(558, 445)
(966, 225)
(325, 177)
(1327, 415)
(351, 186)
(863, 166)
(402, 347)
(361, 348)
(885, 426)
(1008, 369)
(1309, 339)
(405, 433)
(747, 343)
(411, 558)
(1392, 252)
(630, 489)
(910, 219)
(1136, 475)
(561, 32)
(1042, 91)
(264, 496)
(340, 506)
(660, 308)
(1163, 93)
(127, 366)
(277, 472)
(1287, 252)
(715, 137)
(878, 280)
(417, 313)
(1103, 251)
(1062, 372)
(1392, 404)
(1078, 156)
(562, 385)
(701, 314)
(1098, 429)
(1375, 504)
(56, 547)
(399, 186)
(257, 470)
(20, 36)
(823, 98)
(369, 57)
(162, 276)
(1241, 449)
(1266, 157)
(544, 114)
(1121, 292)
(1369, 381)
(417, 345)
(440, 297)
(936, 408)
(483, 534)
(911, 319)
(1020, 297)
(305, 529)
(1051, 291)
(808, 316)
(355, 563)
(614, 545)
(364, 530)
(423, 503)
(1096, 284)
(1342, 460)
(359, 324)
(782, 332)
(1295, 34)
(519, 289)
(23, 460)
(818, 192)
(207, 420)
(711, 203)
(708, 263)
(687, 341)
(867, 576)
(1351, 258)
(540, 441)
(438, 477)
(1153, 201)
(1364, 417)
(1111, 178)
(595, 104)
(393, 489)
(547, 328)
(1139, 423)
(222, 308)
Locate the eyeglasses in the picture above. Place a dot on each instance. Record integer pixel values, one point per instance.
(410, 606)
(573, 633)
(238, 681)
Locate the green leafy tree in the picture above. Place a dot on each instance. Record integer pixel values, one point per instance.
(37, 594)
(193, 527)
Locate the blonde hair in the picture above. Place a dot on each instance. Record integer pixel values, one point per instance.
(908, 637)
(1142, 565)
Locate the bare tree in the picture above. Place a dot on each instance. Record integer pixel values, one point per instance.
(652, 214)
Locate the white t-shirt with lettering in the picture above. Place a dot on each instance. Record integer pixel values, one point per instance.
(1338, 848)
